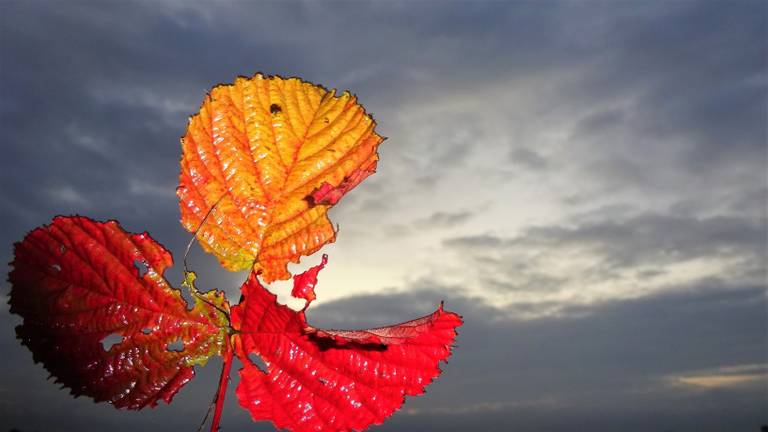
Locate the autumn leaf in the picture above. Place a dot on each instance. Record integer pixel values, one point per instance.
(268, 156)
(304, 283)
(76, 281)
(331, 380)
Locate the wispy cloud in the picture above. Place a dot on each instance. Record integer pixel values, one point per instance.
(444, 219)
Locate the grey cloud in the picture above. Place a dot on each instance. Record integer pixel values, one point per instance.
(443, 219)
(528, 281)
(698, 89)
(431, 149)
(751, 202)
(475, 241)
(598, 258)
(597, 122)
(397, 230)
(666, 414)
(528, 158)
(655, 238)
(428, 181)
(630, 241)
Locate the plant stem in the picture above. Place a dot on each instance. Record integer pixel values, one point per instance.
(221, 393)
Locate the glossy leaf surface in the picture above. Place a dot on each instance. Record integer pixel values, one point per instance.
(332, 380)
(269, 156)
(76, 281)
(304, 284)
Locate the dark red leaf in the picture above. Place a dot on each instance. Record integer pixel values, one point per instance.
(332, 380)
(76, 281)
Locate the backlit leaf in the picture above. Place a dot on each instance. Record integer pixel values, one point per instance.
(270, 156)
(75, 282)
(304, 284)
(332, 380)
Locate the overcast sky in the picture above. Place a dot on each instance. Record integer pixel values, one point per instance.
(585, 182)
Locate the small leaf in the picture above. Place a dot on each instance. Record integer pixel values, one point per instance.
(304, 284)
(332, 380)
(268, 156)
(74, 283)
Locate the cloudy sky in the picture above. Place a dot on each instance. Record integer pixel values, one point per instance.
(585, 182)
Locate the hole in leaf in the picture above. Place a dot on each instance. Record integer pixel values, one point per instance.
(322, 380)
(175, 346)
(111, 340)
(56, 267)
(275, 108)
(326, 121)
(62, 248)
(146, 330)
(141, 266)
(188, 297)
(258, 362)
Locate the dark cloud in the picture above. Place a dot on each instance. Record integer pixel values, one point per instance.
(681, 107)
(528, 158)
(634, 241)
(598, 258)
(598, 122)
(475, 241)
(655, 238)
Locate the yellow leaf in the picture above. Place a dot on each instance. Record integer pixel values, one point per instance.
(267, 157)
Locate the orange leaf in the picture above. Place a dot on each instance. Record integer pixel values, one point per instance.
(268, 157)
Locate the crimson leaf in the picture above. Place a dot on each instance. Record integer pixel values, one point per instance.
(77, 281)
(338, 380)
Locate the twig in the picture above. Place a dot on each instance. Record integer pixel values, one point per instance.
(186, 269)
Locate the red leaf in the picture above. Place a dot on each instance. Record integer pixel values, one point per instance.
(320, 380)
(304, 284)
(328, 194)
(75, 282)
